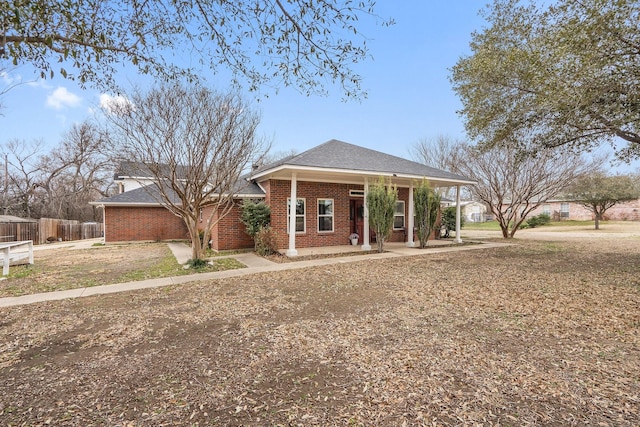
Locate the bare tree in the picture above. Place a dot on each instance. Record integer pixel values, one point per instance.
(75, 173)
(273, 157)
(23, 176)
(513, 184)
(438, 152)
(59, 183)
(195, 143)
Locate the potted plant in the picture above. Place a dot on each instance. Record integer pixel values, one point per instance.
(354, 238)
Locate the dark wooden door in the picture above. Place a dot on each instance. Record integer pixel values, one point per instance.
(357, 218)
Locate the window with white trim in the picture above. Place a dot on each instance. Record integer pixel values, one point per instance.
(325, 215)
(546, 209)
(398, 215)
(564, 210)
(300, 215)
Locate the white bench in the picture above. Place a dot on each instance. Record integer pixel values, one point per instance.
(11, 252)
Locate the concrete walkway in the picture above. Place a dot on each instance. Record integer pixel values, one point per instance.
(182, 252)
(254, 263)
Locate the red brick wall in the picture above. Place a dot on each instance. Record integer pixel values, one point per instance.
(628, 211)
(230, 232)
(126, 224)
(156, 223)
(279, 192)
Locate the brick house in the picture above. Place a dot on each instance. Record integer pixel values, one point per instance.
(560, 210)
(328, 183)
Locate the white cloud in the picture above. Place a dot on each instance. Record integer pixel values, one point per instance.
(38, 83)
(114, 104)
(61, 98)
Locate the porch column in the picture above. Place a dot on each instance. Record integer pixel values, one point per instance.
(366, 246)
(458, 239)
(292, 217)
(104, 224)
(410, 242)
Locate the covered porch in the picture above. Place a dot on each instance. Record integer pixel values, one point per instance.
(362, 227)
(399, 247)
(318, 198)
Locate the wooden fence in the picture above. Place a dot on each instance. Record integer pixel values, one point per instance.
(49, 230)
(87, 230)
(19, 231)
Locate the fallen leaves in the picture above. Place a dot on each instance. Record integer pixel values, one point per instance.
(529, 334)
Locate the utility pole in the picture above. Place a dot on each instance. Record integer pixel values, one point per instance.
(5, 195)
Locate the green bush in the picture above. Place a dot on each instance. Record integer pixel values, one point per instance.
(255, 216)
(449, 219)
(427, 206)
(266, 241)
(537, 221)
(197, 263)
(381, 201)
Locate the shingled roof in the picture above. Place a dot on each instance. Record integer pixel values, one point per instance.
(128, 169)
(339, 155)
(149, 195)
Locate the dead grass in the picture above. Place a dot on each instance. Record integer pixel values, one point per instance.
(541, 333)
(61, 269)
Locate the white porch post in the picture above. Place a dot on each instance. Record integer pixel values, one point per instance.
(292, 217)
(104, 224)
(410, 242)
(366, 245)
(458, 239)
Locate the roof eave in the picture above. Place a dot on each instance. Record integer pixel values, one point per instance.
(263, 175)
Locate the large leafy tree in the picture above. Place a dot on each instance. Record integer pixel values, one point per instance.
(563, 75)
(599, 192)
(194, 143)
(275, 42)
(514, 184)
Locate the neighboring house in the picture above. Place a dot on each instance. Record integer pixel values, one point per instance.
(560, 210)
(328, 183)
(471, 210)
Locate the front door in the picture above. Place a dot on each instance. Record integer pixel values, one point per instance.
(357, 218)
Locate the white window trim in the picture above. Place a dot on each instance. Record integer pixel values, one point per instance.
(304, 216)
(333, 206)
(404, 216)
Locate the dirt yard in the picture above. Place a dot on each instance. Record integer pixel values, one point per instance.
(539, 333)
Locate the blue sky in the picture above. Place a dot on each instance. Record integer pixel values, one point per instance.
(410, 96)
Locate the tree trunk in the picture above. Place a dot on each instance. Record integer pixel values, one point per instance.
(505, 230)
(194, 235)
(597, 221)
